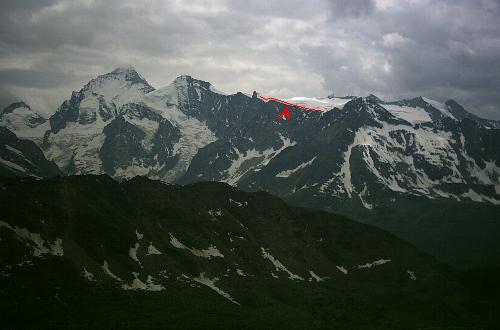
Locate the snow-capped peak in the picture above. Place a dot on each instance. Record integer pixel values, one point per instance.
(374, 98)
(24, 121)
(178, 90)
(124, 69)
(120, 86)
(126, 75)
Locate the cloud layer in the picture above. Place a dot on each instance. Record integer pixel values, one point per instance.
(392, 48)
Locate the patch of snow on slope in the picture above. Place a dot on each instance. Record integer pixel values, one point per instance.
(342, 269)
(152, 249)
(440, 106)
(476, 197)
(410, 114)
(211, 251)
(132, 252)
(239, 204)
(214, 214)
(138, 168)
(361, 197)
(34, 240)
(139, 235)
(14, 150)
(137, 284)
(345, 170)
(12, 165)
(315, 277)
(56, 248)
(88, 275)
(235, 171)
(279, 266)
(202, 279)
(375, 263)
(489, 175)
(107, 271)
(287, 173)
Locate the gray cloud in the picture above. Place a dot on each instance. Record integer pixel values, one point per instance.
(351, 8)
(394, 48)
(35, 78)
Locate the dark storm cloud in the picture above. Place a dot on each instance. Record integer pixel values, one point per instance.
(394, 48)
(35, 78)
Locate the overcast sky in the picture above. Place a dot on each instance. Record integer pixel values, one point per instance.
(392, 48)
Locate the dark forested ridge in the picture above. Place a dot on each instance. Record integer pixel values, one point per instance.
(87, 251)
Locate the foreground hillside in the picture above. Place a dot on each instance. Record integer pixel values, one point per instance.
(90, 251)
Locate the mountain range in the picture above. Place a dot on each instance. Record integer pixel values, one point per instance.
(426, 171)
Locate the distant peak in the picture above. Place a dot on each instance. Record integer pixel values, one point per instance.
(373, 98)
(127, 73)
(193, 82)
(183, 77)
(124, 69)
(451, 101)
(13, 106)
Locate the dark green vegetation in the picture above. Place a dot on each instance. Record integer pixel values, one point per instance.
(463, 234)
(88, 222)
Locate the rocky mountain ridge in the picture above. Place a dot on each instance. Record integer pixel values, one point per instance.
(361, 157)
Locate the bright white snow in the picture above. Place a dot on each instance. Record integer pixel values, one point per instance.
(342, 269)
(375, 263)
(315, 277)
(152, 249)
(410, 114)
(287, 173)
(411, 274)
(12, 165)
(107, 271)
(279, 266)
(139, 235)
(318, 103)
(210, 252)
(202, 279)
(88, 275)
(259, 159)
(137, 284)
(132, 252)
(34, 240)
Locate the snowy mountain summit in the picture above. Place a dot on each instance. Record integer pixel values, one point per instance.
(424, 170)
